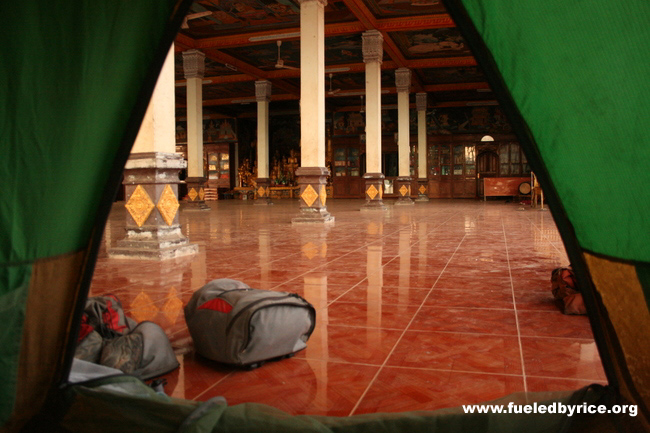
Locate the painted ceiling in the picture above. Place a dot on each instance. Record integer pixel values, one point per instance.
(243, 40)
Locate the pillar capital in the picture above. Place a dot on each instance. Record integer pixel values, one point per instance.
(193, 64)
(421, 101)
(263, 91)
(320, 2)
(403, 80)
(372, 46)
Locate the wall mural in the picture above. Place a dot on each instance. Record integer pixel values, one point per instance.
(214, 131)
(463, 120)
(431, 43)
(353, 123)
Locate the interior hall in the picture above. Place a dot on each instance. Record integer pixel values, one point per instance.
(352, 152)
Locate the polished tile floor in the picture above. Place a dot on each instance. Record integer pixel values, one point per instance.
(419, 307)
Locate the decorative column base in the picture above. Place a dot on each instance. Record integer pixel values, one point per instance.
(423, 189)
(196, 194)
(263, 191)
(374, 192)
(403, 185)
(313, 195)
(153, 231)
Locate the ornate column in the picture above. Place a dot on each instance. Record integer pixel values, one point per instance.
(403, 184)
(263, 96)
(423, 180)
(373, 51)
(194, 69)
(312, 173)
(151, 182)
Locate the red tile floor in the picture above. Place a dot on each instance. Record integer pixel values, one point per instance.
(418, 308)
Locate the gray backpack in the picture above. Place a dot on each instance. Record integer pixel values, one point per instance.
(113, 340)
(231, 323)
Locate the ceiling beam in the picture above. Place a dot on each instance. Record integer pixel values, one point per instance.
(244, 100)
(183, 43)
(423, 22)
(443, 62)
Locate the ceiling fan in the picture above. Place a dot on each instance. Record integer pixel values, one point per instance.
(188, 17)
(335, 91)
(280, 63)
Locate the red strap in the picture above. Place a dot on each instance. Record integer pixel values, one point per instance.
(216, 304)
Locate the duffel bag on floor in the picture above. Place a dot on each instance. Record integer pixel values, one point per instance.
(232, 323)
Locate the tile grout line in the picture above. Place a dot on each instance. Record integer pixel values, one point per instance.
(514, 306)
(213, 385)
(404, 331)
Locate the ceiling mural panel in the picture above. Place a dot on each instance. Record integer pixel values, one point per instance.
(343, 49)
(400, 8)
(433, 43)
(231, 16)
(265, 56)
(471, 74)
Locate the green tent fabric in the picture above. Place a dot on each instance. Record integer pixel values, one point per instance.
(141, 409)
(577, 73)
(76, 78)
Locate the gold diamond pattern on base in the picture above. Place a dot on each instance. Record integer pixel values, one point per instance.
(139, 205)
(422, 189)
(403, 190)
(323, 195)
(201, 193)
(192, 194)
(309, 195)
(372, 192)
(168, 205)
(260, 191)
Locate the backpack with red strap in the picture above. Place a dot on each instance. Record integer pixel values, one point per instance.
(109, 338)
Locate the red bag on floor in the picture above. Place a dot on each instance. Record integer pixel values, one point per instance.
(565, 289)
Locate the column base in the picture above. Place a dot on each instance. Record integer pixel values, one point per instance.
(313, 195)
(263, 192)
(403, 186)
(195, 194)
(152, 229)
(153, 243)
(423, 189)
(374, 189)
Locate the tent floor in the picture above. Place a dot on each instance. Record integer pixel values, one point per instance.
(419, 307)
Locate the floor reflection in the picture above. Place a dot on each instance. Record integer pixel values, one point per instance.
(441, 304)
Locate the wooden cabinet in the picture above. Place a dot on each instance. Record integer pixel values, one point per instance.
(218, 170)
(512, 160)
(452, 170)
(346, 165)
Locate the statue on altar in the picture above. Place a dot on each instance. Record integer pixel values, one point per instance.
(246, 175)
(292, 165)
